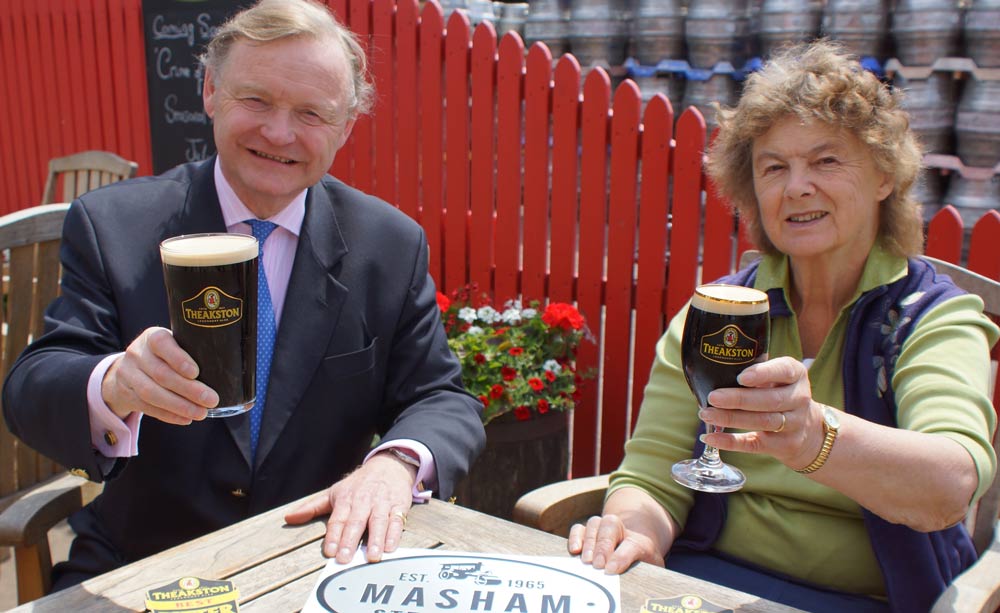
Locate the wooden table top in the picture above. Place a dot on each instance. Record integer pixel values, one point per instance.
(275, 566)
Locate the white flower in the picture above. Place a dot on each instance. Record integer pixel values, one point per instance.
(513, 304)
(553, 366)
(511, 316)
(529, 313)
(488, 315)
(467, 314)
(474, 330)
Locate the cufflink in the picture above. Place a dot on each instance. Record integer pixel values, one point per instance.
(79, 472)
(110, 438)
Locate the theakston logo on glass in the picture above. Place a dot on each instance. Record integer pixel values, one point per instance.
(729, 346)
(455, 583)
(212, 308)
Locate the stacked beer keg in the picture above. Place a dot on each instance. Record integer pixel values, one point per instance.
(943, 54)
(947, 61)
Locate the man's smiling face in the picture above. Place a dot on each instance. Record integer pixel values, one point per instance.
(279, 114)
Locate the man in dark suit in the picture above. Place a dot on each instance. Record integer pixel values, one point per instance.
(359, 347)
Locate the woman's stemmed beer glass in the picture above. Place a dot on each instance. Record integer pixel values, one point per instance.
(726, 330)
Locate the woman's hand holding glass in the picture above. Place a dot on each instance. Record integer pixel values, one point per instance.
(775, 407)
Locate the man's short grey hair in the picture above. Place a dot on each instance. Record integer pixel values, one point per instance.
(271, 20)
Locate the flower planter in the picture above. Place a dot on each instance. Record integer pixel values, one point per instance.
(519, 456)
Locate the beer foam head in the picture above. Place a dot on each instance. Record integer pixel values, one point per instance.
(729, 299)
(208, 249)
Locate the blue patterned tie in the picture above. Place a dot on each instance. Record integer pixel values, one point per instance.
(265, 332)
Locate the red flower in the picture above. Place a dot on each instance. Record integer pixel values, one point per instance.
(485, 400)
(508, 373)
(479, 358)
(496, 391)
(543, 406)
(522, 413)
(565, 316)
(443, 301)
(500, 331)
(550, 376)
(536, 384)
(515, 351)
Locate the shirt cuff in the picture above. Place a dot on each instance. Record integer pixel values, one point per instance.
(426, 474)
(111, 436)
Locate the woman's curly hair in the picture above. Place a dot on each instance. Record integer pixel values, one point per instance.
(821, 81)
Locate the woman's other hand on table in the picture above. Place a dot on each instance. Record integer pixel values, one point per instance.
(633, 528)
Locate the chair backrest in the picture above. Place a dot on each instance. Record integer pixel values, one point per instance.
(82, 172)
(982, 521)
(29, 247)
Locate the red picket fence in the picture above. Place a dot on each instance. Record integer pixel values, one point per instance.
(529, 178)
(72, 78)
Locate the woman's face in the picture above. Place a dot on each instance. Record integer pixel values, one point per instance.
(818, 190)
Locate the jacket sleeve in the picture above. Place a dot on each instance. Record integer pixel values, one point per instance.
(424, 384)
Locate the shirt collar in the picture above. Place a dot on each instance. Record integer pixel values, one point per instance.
(235, 212)
(881, 268)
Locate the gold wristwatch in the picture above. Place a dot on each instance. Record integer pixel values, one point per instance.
(830, 427)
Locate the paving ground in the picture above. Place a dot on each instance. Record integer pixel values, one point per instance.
(59, 540)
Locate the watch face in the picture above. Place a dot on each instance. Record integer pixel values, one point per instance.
(830, 417)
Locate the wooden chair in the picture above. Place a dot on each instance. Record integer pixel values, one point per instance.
(82, 172)
(35, 493)
(555, 508)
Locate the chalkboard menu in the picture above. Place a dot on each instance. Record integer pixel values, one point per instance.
(176, 32)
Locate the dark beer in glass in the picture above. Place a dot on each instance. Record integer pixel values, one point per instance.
(726, 330)
(211, 282)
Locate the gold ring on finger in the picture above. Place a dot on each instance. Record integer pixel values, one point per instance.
(783, 422)
(400, 515)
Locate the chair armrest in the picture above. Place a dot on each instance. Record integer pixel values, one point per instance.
(978, 588)
(555, 508)
(27, 518)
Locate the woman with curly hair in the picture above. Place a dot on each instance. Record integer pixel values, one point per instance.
(867, 433)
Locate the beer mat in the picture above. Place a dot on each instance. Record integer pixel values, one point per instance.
(194, 595)
(687, 603)
(432, 580)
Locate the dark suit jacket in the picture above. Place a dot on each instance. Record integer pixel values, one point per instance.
(360, 351)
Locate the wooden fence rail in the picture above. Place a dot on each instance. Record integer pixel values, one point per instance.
(531, 177)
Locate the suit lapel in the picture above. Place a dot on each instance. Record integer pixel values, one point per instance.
(309, 317)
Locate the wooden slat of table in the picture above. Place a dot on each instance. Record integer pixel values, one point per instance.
(295, 574)
(218, 555)
(275, 566)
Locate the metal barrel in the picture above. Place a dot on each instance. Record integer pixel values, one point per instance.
(786, 22)
(657, 31)
(982, 23)
(931, 104)
(547, 23)
(479, 11)
(598, 31)
(925, 30)
(972, 198)
(861, 25)
(511, 17)
(716, 31)
(701, 94)
(671, 85)
(977, 123)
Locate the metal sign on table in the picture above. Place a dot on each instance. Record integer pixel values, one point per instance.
(429, 581)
